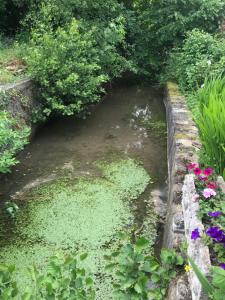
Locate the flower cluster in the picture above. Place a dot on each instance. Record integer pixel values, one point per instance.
(203, 176)
(207, 189)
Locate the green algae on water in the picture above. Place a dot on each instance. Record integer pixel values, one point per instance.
(78, 214)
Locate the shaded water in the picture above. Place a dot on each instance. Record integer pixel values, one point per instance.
(118, 128)
(112, 127)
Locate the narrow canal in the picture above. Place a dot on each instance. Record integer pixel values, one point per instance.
(81, 181)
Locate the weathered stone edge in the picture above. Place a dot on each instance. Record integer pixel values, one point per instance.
(182, 145)
(196, 249)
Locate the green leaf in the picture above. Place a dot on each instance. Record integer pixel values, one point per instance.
(138, 288)
(83, 256)
(180, 260)
(208, 288)
(141, 244)
(89, 281)
(155, 278)
(110, 267)
(218, 279)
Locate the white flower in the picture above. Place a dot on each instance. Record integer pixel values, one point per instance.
(209, 62)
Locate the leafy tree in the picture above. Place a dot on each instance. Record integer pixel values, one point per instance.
(156, 26)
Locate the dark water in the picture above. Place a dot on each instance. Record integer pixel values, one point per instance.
(112, 127)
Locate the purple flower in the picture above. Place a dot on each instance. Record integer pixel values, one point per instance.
(222, 265)
(214, 214)
(195, 234)
(207, 193)
(203, 178)
(216, 234)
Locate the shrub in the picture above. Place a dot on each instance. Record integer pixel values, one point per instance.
(211, 121)
(65, 64)
(201, 55)
(12, 139)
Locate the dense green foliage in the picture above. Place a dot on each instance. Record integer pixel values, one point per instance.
(133, 266)
(64, 278)
(159, 25)
(12, 139)
(200, 56)
(71, 77)
(86, 46)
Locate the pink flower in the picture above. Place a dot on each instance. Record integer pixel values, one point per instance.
(191, 166)
(195, 197)
(197, 171)
(207, 193)
(211, 185)
(208, 171)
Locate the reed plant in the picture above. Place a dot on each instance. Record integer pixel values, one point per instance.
(211, 121)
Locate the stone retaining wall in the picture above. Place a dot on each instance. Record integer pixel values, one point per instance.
(20, 99)
(181, 147)
(182, 144)
(182, 210)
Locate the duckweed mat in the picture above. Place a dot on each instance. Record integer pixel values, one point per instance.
(78, 214)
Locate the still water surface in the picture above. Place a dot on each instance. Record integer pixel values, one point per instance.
(116, 129)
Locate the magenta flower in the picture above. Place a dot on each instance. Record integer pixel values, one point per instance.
(195, 234)
(222, 265)
(208, 171)
(211, 185)
(191, 166)
(197, 171)
(214, 214)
